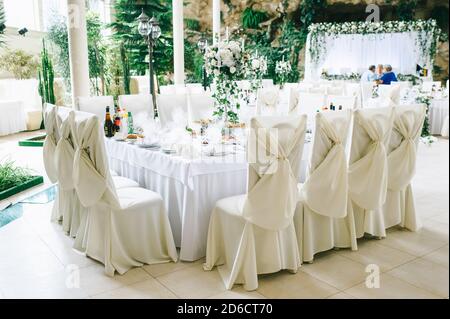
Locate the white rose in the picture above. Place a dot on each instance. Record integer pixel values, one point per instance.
(216, 72)
(255, 64)
(233, 70)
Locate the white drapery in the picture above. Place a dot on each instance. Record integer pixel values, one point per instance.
(345, 53)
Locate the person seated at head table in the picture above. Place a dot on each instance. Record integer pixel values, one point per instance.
(388, 76)
(380, 71)
(369, 75)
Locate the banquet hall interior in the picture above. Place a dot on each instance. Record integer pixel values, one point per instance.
(224, 149)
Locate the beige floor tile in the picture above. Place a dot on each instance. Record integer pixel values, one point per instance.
(94, 281)
(371, 252)
(193, 282)
(299, 285)
(435, 230)
(341, 295)
(238, 293)
(62, 246)
(148, 289)
(390, 288)
(424, 274)
(442, 218)
(413, 243)
(56, 285)
(439, 256)
(335, 270)
(162, 269)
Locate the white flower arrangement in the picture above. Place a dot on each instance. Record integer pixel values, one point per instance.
(225, 61)
(224, 58)
(282, 70)
(255, 69)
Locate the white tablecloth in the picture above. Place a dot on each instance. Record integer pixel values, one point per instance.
(189, 187)
(437, 113)
(12, 117)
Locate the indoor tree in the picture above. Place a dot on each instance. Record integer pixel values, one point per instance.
(124, 30)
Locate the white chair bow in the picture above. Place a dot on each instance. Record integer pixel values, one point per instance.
(94, 184)
(275, 176)
(330, 172)
(402, 160)
(50, 142)
(368, 174)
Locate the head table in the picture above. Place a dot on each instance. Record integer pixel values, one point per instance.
(190, 185)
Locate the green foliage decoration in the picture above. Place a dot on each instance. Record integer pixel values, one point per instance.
(46, 77)
(124, 30)
(252, 18)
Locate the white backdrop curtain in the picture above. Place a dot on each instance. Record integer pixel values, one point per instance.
(345, 53)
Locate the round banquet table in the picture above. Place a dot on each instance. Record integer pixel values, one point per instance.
(13, 118)
(438, 112)
(189, 186)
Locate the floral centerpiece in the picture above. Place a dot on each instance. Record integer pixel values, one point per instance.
(255, 69)
(225, 61)
(424, 98)
(282, 70)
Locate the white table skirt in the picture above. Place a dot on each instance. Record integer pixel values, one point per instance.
(13, 117)
(437, 113)
(189, 187)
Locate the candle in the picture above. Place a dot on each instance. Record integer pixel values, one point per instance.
(227, 34)
(243, 44)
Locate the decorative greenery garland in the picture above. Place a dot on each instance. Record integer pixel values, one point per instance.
(429, 34)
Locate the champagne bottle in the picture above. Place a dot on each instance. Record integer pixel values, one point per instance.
(109, 125)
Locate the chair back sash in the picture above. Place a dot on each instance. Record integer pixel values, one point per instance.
(274, 147)
(326, 188)
(368, 170)
(402, 159)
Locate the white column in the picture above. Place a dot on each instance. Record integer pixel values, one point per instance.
(78, 49)
(216, 19)
(178, 41)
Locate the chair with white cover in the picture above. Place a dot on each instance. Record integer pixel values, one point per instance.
(137, 103)
(254, 233)
(347, 102)
(293, 100)
(309, 104)
(195, 88)
(338, 91)
(167, 89)
(125, 227)
(68, 204)
(49, 147)
(323, 219)
(304, 86)
(318, 90)
(267, 83)
(172, 108)
(366, 92)
(200, 107)
(399, 208)
(96, 105)
(368, 168)
(267, 101)
(390, 92)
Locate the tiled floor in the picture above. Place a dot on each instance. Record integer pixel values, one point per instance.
(36, 259)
